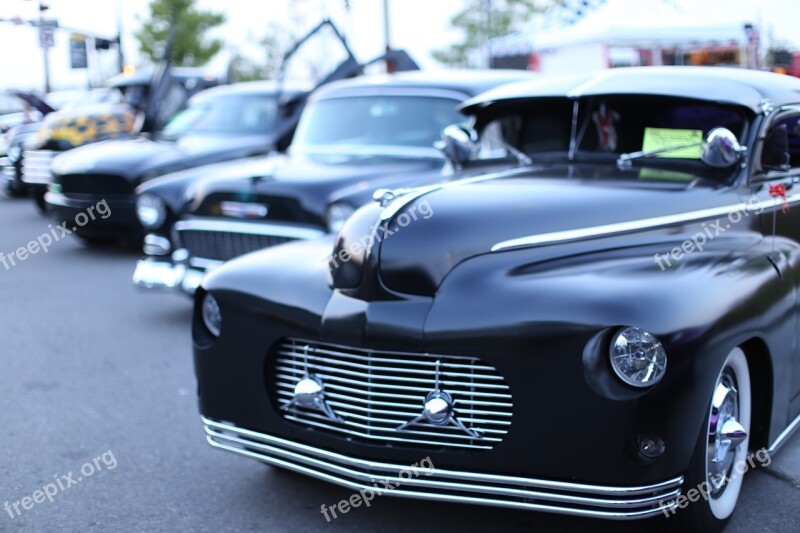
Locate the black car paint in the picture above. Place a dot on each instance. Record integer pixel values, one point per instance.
(542, 315)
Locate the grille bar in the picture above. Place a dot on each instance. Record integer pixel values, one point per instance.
(374, 392)
(222, 240)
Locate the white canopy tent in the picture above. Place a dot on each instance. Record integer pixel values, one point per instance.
(624, 27)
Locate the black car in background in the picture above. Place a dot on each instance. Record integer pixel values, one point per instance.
(133, 104)
(608, 331)
(226, 123)
(354, 137)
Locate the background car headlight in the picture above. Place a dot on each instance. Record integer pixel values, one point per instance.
(337, 215)
(637, 357)
(212, 317)
(151, 210)
(14, 152)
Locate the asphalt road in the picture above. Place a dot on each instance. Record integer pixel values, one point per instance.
(92, 371)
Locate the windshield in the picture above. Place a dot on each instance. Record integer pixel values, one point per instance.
(239, 114)
(607, 126)
(372, 122)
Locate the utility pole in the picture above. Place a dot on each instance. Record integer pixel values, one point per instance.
(387, 35)
(120, 53)
(45, 49)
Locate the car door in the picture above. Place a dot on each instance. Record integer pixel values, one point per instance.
(778, 167)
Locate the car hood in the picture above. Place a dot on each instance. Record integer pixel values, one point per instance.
(472, 217)
(305, 185)
(143, 158)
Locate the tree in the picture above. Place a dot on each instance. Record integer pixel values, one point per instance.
(481, 20)
(190, 47)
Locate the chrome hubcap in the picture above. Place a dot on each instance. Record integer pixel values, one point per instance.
(725, 433)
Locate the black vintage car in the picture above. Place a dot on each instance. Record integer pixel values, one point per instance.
(223, 124)
(355, 137)
(608, 332)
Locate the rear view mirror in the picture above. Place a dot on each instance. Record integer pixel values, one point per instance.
(459, 144)
(721, 149)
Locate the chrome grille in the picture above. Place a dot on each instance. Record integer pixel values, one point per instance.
(223, 245)
(375, 392)
(36, 165)
(218, 239)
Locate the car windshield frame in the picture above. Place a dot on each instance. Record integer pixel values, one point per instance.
(577, 124)
(189, 121)
(310, 124)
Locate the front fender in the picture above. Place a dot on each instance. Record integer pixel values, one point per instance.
(543, 318)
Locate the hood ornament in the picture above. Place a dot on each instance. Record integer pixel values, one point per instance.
(309, 392)
(439, 410)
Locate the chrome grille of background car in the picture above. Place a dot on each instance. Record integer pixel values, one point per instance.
(36, 165)
(94, 184)
(224, 245)
(375, 392)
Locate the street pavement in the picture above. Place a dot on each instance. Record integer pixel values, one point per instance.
(94, 372)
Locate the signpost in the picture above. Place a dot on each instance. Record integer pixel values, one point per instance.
(47, 32)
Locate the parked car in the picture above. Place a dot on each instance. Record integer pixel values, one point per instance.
(24, 130)
(223, 124)
(355, 137)
(607, 332)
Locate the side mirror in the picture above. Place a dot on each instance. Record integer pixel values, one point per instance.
(721, 149)
(459, 144)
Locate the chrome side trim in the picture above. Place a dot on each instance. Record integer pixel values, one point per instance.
(785, 435)
(597, 501)
(253, 228)
(607, 230)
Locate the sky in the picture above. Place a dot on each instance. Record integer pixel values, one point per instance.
(416, 25)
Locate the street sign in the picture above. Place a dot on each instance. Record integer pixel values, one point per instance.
(47, 37)
(77, 51)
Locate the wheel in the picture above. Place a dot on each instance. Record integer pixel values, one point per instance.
(41, 205)
(719, 461)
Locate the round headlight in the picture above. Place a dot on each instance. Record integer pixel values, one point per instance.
(151, 210)
(337, 215)
(212, 318)
(638, 357)
(14, 152)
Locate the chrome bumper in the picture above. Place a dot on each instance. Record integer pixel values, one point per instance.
(36, 166)
(595, 501)
(154, 273)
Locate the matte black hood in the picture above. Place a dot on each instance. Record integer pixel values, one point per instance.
(142, 158)
(469, 219)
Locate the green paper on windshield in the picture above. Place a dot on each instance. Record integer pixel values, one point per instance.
(661, 138)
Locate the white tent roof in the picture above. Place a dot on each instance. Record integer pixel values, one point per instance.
(637, 23)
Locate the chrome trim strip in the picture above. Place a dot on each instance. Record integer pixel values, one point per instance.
(618, 228)
(785, 435)
(252, 228)
(619, 503)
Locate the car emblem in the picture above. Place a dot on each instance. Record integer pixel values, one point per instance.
(439, 409)
(243, 210)
(309, 392)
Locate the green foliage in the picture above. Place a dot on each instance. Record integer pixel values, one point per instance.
(481, 20)
(274, 45)
(190, 48)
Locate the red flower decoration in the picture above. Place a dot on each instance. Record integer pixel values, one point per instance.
(779, 191)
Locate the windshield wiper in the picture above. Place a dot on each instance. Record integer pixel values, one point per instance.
(624, 160)
(522, 158)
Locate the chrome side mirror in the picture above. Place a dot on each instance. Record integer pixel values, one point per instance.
(721, 149)
(459, 144)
